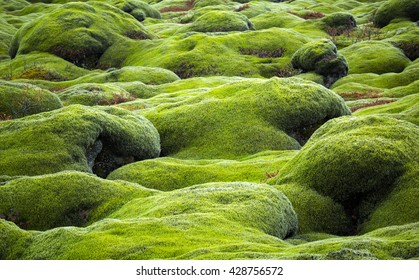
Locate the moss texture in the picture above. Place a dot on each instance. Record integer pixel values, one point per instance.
(76, 138)
(374, 57)
(221, 21)
(392, 9)
(68, 198)
(357, 162)
(244, 118)
(168, 174)
(78, 32)
(19, 100)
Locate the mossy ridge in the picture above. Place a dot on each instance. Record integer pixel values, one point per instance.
(406, 108)
(221, 21)
(19, 100)
(85, 32)
(232, 120)
(376, 150)
(67, 198)
(205, 55)
(76, 138)
(168, 174)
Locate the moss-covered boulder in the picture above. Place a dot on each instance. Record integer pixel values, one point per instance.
(168, 225)
(20, 99)
(357, 162)
(90, 94)
(138, 9)
(244, 118)
(168, 174)
(276, 19)
(322, 57)
(78, 32)
(338, 23)
(374, 57)
(67, 198)
(392, 9)
(76, 138)
(221, 21)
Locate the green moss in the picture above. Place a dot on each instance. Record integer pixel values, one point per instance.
(232, 120)
(168, 174)
(77, 32)
(19, 100)
(355, 161)
(138, 9)
(68, 198)
(374, 57)
(321, 57)
(392, 9)
(14, 240)
(406, 108)
(75, 138)
(340, 21)
(221, 21)
(275, 19)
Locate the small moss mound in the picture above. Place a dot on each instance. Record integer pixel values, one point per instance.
(244, 118)
(339, 23)
(80, 138)
(355, 161)
(138, 9)
(323, 58)
(392, 9)
(374, 57)
(78, 32)
(222, 21)
(68, 198)
(19, 100)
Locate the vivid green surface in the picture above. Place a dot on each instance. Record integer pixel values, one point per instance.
(223, 129)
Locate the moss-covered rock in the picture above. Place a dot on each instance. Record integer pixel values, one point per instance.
(221, 21)
(76, 138)
(374, 57)
(392, 9)
(78, 32)
(138, 9)
(322, 57)
(339, 22)
(356, 161)
(67, 198)
(19, 100)
(244, 118)
(168, 174)
(276, 19)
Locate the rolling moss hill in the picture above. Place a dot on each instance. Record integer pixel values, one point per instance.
(209, 129)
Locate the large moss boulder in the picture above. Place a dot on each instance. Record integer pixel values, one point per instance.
(20, 99)
(244, 118)
(322, 57)
(167, 225)
(392, 9)
(78, 32)
(359, 162)
(221, 21)
(374, 57)
(138, 9)
(67, 198)
(75, 138)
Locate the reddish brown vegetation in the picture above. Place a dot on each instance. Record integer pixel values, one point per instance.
(188, 6)
(356, 95)
(309, 15)
(374, 103)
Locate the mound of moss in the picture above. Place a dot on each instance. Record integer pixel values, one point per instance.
(338, 23)
(392, 9)
(168, 174)
(78, 32)
(138, 9)
(68, 198)
(322, 57)
(80, 138)
(357, 162)
(90, 94)
(244, 118)
(19, 100)
(374, 57)
(222, 21)
(275, 19)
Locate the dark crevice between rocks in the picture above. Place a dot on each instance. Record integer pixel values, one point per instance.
(102, 158)
(302, 134)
